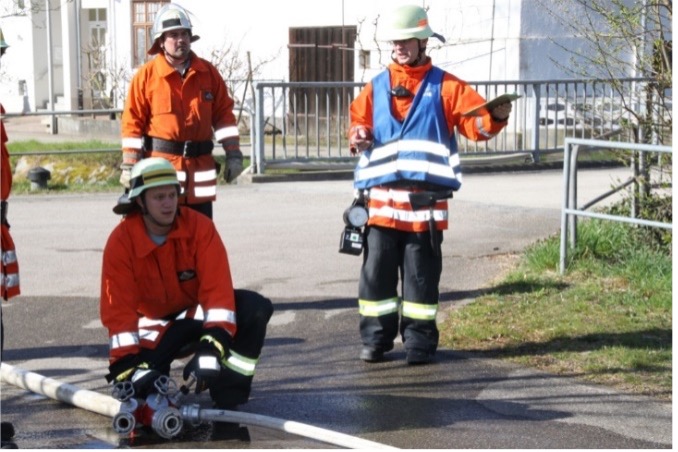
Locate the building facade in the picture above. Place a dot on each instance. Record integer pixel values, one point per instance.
(79, 54)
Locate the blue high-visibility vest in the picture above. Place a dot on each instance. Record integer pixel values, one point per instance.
(420, 149)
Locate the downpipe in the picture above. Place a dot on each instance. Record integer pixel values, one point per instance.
(161, 413)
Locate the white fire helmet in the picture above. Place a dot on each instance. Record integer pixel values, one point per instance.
(169, 17)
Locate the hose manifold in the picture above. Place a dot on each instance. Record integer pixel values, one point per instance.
(167, 422)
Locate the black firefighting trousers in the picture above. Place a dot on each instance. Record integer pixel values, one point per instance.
(390, 254)
(231, 388)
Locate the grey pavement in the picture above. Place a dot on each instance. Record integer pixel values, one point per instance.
(283, 241)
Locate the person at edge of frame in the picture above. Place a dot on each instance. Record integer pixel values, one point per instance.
(9, 279)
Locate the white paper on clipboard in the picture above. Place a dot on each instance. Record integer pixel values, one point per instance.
(508, 97)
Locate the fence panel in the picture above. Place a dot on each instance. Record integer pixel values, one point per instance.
(306, 122)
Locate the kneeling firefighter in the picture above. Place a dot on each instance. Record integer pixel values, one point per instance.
(167, 292)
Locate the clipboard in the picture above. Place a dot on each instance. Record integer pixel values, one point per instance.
(508, 97)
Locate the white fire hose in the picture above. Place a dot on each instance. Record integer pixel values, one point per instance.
(193, 414)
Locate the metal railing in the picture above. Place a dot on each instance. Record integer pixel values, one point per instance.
(570, 211)
(304, 124)
(301, 123)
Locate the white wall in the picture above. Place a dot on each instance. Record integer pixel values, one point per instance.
(17, 63)
(486, 39)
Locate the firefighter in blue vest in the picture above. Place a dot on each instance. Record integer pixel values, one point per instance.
(403, 125)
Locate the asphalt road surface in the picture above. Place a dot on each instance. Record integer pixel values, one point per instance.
(283, 241)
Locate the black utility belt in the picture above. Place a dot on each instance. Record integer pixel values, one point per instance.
(413, 185)
(183, 148)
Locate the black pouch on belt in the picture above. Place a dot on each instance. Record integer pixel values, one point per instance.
(428, 199)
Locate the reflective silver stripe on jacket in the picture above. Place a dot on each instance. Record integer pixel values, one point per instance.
(391, 196)
(9, 280)
(203, 192)
(226, 132)
(132, 142)
(409, 216)
(121, 340)
(9, 257)
(220, 315)
(198, 314)
(205, 176)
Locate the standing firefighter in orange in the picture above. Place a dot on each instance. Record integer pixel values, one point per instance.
(167, 292)
(403, 124)
(9, 279)
(176, 105)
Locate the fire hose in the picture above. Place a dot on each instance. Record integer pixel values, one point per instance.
(160, 411)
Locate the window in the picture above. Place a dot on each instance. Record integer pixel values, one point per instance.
(143, 14)
(364, 59)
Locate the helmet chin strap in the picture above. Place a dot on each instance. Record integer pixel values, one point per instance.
(421, 56)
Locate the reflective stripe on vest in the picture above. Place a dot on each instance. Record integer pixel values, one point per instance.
(419, 311)
(241, 364)
(420, 149)
(378, 308)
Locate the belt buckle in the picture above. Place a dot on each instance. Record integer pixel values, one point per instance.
(187, 146)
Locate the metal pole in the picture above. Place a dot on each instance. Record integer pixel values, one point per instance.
(50, 68)
(259, 118)
(536, 88)
(573, 196)
(563, 214)
(78, 53)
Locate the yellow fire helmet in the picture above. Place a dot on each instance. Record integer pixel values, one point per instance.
(406, 22)
(151, 172)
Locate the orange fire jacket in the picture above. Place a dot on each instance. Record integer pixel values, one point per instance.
(8, 261)
(457, 97)
(197, 107)
(145, 284)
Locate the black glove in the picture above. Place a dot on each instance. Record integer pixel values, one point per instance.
(209, 358)
(204, 366)
(143, 380)
(234, 165)
(130, 368)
